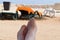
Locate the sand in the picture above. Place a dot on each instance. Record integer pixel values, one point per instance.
(47, 29)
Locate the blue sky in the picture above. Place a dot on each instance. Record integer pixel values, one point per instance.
(32, 1)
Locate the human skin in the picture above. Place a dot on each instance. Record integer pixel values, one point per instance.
(27, 32)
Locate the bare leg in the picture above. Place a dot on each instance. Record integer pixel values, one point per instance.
(22, 33)
(27, 32)
(31, 30)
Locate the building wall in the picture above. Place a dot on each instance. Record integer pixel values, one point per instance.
(57, 6)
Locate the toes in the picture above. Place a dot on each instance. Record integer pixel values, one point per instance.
(31, 23)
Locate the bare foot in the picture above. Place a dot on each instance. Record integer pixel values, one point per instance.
(32, 28)
(27, 32)
(22, 33)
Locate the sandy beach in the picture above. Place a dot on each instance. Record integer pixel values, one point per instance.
(47, 29)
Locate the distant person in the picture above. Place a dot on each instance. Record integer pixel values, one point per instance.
(27, 32)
